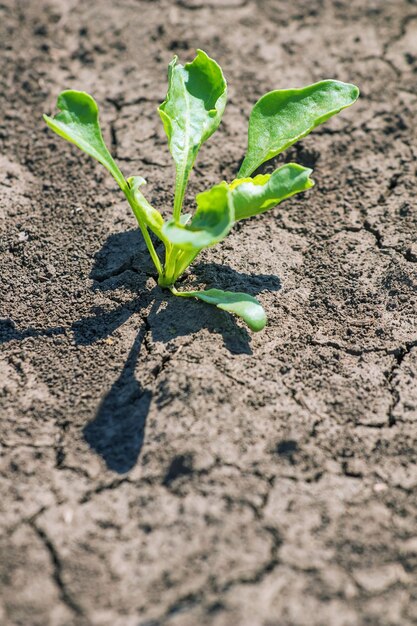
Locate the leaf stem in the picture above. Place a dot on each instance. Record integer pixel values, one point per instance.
(184, 260)
(152, 251)
(144, 231)
(169, 269)
(181, 181)
(182, 294)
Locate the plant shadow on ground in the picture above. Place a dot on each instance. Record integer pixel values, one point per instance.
(117, 431)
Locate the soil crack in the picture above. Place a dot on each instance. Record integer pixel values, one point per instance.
(390, 377)
(401, 33)
(65, 595)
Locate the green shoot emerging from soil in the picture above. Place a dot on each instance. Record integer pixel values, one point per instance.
(191, 112)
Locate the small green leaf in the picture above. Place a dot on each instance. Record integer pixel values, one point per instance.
(256, 195)
(148, 215)
(184, 219)
(78, 123)
(191, 113)
(241, 304)
(211, 223)
(280, 118)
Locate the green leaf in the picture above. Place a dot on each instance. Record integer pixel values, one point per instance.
(78, 123)
(144, 211)
(191, 113)
(256, 195)
(241, 304)
(280, 118)
(184, 219)
(212, 221)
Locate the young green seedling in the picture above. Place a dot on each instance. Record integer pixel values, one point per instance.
(191, 113)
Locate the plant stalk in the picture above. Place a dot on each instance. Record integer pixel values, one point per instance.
(145, 232)
(180, 186)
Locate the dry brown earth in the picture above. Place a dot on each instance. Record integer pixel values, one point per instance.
(162, 466)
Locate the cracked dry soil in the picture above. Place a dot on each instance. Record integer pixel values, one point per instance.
(161, 466)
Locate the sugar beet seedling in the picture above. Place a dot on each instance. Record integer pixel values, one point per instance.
(191, 112)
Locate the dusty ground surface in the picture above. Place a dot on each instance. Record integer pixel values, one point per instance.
(161, 466)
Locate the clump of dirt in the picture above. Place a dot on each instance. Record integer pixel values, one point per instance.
(161, 466)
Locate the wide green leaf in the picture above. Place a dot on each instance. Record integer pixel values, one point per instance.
(241, 304)
(78, 123)
(280, 118)
(191, 113)
(256, 195)
(212, 221)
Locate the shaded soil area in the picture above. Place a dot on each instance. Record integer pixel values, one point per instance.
(160, 464)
